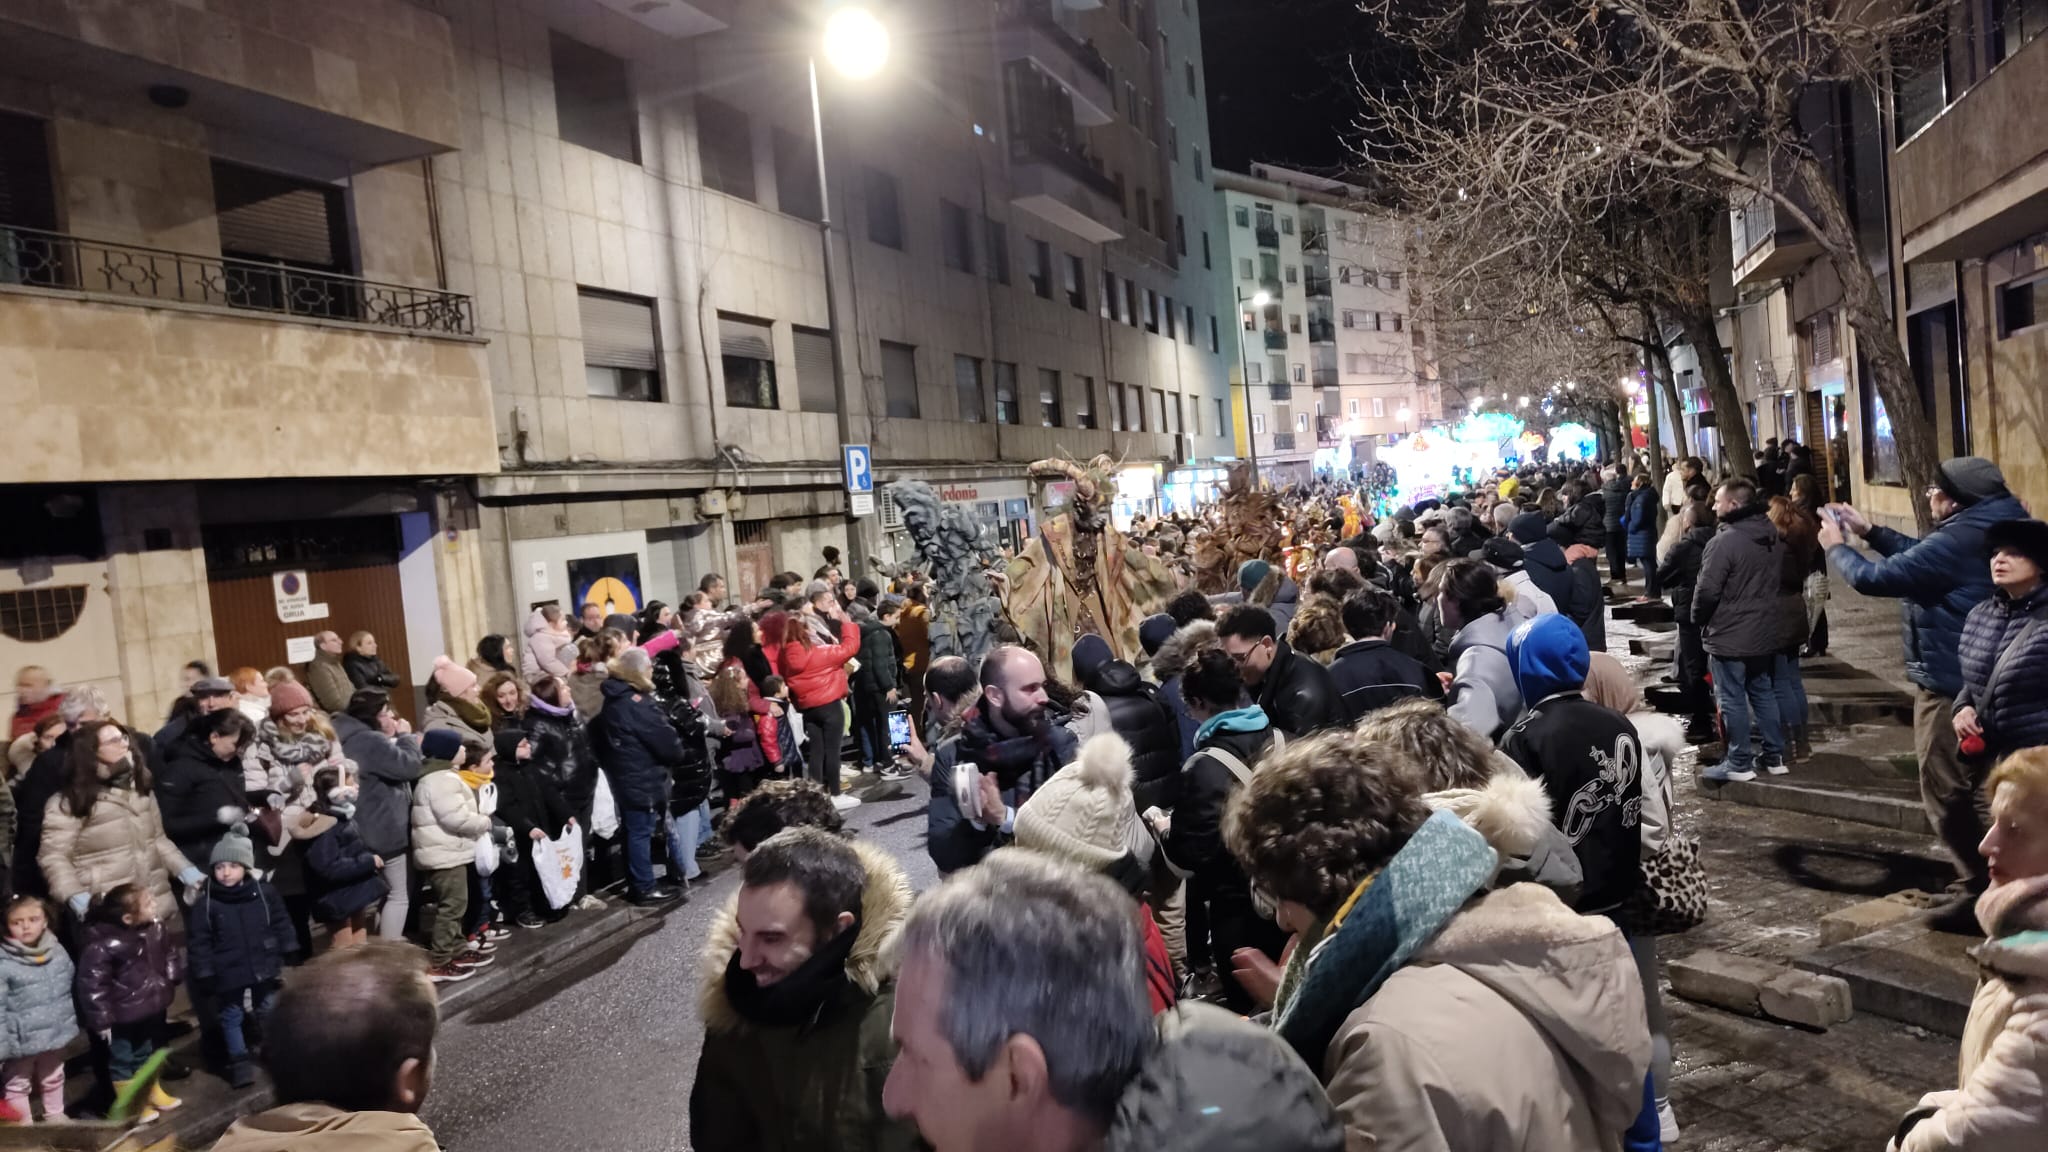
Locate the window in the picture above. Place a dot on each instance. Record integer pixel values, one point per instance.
(956, 237)
(1169, 319)
(1350, 318)
(1293, 274)
(1172, 137)
(1287, 225)
(1076, 281)
(1131, 102)
(816, 388)
(1006, 393)
(27, 193)
(1394, 318)
(1301, 373)
(997, 236)
(264, 216)
(725, 148)
(796, 176)
(1159, 221)
(1048, 398)
(885, 215)
(620, 356)
(1199, 173)
(1379, 407)
(1344, 274)
(1222, 423)
(967, 388)
(1215, 336)
(1393, 281)
(1151, 304)
(1242, 215)
(1159, 395)
(1134, 408)
(899, 380)
(747, 349)
(1180, 233)
(1041, 269)
(1127, 308)
(1354, 363)
(1351, 407)
(1116, 406)
(1205, 249)
(1258, 423)
(2022, 305)
(1244, 267)
(1108, 307)
(1301, 421)
(1191, 77)
(593, 101)
(1084, 408)
(1144, 210)
(1253, 374)
(1188, 324)
(1294, 323)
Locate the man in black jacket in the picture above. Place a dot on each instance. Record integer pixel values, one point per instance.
(1370, 673)
(874, 684)
(1294, 690)
(1744, 604)
(1139, 713)
(1584, 519)
(1012, 745)
(1613, 510)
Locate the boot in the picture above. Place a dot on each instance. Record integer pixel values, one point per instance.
(161, 1100)
(144, 1113)
(1802, 744)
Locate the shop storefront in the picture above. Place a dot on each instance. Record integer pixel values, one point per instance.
(1187, 490)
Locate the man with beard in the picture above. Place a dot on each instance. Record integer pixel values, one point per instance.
(798, 989)
(1009, 746)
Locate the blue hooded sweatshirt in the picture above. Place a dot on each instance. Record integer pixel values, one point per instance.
(1548, 655)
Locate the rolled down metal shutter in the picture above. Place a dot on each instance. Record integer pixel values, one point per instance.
(275, 217)
(618, 331)
(744, 338)
(815, 389)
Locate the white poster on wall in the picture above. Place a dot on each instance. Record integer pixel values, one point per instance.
(540, 575)
(298, 650)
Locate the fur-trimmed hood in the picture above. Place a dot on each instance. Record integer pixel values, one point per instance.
(884, 905)
(1178, 652)
(1513, 813)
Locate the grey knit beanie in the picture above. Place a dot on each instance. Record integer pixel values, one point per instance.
(234, 848)
(1970, 480)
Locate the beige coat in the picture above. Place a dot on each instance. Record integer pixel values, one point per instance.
(1520, 1028)
(121, 841)
(445, 819)
(319, 1128)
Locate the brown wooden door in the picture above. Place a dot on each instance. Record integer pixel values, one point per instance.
(246, 629)
(754, 553)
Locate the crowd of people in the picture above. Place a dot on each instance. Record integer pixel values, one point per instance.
(1371, 850)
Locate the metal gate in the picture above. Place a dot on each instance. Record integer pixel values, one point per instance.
(351, 567)
(755, 555)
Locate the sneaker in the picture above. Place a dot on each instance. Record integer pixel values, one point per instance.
(449, 973)
(1723, 773)
(479, 947)
(1667, 1124)
(845, 803)
(241, 1074)
(590, 903)
(475, 960)
(529, 920)
(897, 771)
(1776, 766)
(496, 932)
(846, 783)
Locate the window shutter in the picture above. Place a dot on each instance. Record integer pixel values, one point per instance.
(816, 391)
(274, 217)
(618, 332)
(745, 338)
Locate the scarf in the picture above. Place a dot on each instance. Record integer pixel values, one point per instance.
(1252, 719)
(1010, 758)
(2013, 907)
(1386, 920)
(475, 715)
(118, 775)
(473, 780)
(37, 954)
(540, 705)
(797, 1000)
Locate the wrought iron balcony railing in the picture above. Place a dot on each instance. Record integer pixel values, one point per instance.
(76, 264)
(1283, 441)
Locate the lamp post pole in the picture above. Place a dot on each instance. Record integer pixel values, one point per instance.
(856, 526)
(1244, 357)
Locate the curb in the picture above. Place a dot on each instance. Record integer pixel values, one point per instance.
(199, 1129)
(1856, 807)
(1890, 977)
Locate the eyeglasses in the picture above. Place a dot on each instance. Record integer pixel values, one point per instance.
(119, 739)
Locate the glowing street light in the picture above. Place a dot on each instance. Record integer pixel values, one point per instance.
(1260, 299)
(856, 42)
(1524, 402)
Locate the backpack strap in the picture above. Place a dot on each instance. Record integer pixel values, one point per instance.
(1229, 760)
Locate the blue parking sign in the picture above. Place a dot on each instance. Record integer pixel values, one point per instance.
(860, 467)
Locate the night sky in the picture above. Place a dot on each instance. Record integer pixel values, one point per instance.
(1280, 86)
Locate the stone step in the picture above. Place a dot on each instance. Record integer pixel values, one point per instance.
(1647, 612)
(1835, 803)
(1906, 973)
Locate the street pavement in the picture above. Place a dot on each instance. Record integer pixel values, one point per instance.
(602, 1053)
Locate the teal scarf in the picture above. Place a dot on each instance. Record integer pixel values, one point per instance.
(1252, 719)
(1388, 919)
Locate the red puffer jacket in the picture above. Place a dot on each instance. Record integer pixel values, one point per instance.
(816, 676)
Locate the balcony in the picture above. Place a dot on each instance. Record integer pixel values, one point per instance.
(1280, 391)
(1268, 236)
(1054, 178)
(1283, 441)
(1972, 182)
(1318, 287)
(1326, 430)
(133, 364)
(1324, 377)
(1276, 340)
(1322, 332)
(1314, 239)
(1763, 250)
(1032, 30)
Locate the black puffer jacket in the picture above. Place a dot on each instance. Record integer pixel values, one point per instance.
(1614, 503)
(1542, 559)
(1681, 568)
(1298, 693)
(2014, 711)
(1585, 522)
(880, 659)
(1747, 601)
(197, 789)
(368, 671)
(1140, 714)
(386, 769)
(562, 752)
(1194, 840)
(341, 872)
(636, 746)
(238, 937)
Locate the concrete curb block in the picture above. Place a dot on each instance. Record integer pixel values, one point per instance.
(1760, 988)
(1857, 807)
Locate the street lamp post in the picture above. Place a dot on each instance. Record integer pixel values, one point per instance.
(1404, 414)
(1257, 300)
(857, 44)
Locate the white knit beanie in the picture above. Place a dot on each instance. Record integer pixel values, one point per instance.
(1085, 812)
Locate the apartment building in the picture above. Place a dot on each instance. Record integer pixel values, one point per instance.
(634, 207)
(243, 405)
(1329, 366)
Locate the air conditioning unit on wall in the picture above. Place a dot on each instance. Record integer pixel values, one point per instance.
(892, 516)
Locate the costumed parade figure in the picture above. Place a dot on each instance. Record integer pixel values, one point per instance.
(959, 551)
(1250, 525)
(1080, 575)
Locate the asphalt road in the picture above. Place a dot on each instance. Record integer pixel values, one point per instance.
(603, 1055)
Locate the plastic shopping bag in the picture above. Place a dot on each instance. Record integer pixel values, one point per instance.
(486, 855)
(604, 811)
(559, 863)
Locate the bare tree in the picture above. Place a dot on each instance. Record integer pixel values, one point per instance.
(1561, 111)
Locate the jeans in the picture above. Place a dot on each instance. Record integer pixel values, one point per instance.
(450, 887)
(232, 1014)
(1744, 686)
(398, 903)
(1791, 690)
(129, 1046)
(686, 833)
(871, 726)
(638, 825)
(823, 728)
